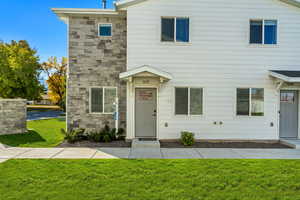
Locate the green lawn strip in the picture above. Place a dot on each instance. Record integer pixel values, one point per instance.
(42, 133)
(150, 179)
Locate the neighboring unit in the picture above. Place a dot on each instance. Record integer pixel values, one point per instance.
(225, 70)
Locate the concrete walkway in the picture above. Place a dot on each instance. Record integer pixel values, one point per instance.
(139, 153)
(292, 143)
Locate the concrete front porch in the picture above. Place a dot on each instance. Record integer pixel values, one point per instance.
(294, 143)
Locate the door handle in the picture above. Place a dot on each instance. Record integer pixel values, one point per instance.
(154, 114)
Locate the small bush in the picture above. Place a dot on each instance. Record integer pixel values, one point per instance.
(106, 135)
(187, 138)
(95, 137)
(113, 134)
(120, 134)
(107, 138)
(74, 135)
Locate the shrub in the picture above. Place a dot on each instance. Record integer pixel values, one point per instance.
(73, 135)
(120, 134)
(187, 138)
(95, 137)
(106, 135)
(107, 138)
(113, 134)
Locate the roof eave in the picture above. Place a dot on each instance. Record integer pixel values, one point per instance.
(64, 13)
(292, 2)
(122, 5)
(284, 78)
(152, 70)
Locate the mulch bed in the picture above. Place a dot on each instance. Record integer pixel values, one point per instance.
(238, 145)
(120, 144)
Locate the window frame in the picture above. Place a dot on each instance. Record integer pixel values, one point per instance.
(263, 32)
(111, 25)
(175, 29)
(189, 101)
(250, 102)
(103, 99)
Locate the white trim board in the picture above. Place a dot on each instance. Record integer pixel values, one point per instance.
(123, 4)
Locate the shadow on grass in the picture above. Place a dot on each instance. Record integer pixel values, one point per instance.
(20, 139)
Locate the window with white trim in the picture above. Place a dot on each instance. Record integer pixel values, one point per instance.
(102, 100)
(263, 31)
(188, 101)
(175, 29)
(105, 30)
(250, 102)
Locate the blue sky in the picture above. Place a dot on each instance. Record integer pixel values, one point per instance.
(32, 20)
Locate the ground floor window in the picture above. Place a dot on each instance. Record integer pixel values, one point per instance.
(250, 101)
(188, 101)
(102, 99)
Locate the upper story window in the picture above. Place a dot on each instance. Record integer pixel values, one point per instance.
(105, 30)
(175, 29)
(263, 31)
(188, 101)
(250, 102)
(102, 100)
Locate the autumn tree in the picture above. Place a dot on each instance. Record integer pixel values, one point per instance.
(56, 80)
(19, 71)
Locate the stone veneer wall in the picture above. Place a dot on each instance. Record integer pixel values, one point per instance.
(95, 61)
(12, 116)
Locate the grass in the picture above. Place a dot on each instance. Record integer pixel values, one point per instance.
(42, 133)
(150, 179)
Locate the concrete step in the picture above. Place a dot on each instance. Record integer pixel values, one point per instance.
(291, 143)
(136, 143)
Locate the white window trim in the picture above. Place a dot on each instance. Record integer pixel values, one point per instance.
(263, 32)
(103, 100)
(189, 101)
(250, 102)
(175, 30)
(105, 24)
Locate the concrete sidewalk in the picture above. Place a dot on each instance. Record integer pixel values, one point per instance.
(144, 153)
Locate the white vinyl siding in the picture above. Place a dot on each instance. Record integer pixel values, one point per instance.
(220, 60)
(102, 100)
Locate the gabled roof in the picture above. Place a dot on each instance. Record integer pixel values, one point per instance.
(146, 68)
(125, 3)
(286, 75)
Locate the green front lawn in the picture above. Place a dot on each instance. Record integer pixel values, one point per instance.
(150, 179)
(42, 133)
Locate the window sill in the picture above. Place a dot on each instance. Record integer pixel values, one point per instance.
(105, 37)
(92, 113)
(248, 117)
(263, 45)
(189, 116)
(176, 43)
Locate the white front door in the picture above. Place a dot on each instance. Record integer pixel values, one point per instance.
(145, 112)
(289, 114)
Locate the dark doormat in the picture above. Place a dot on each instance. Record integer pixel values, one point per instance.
(147, 139)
